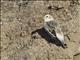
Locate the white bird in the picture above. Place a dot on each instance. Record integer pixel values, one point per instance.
(51, 26)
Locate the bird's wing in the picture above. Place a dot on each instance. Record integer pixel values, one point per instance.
(54, 30)
(59, 34)
(50, 27)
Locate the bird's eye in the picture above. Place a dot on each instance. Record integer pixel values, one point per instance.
(46, 16)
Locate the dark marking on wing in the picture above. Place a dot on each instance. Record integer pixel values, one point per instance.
(53, 32)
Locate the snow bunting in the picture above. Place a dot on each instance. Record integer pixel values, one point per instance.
(53, 28)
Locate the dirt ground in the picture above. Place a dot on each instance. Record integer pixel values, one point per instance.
(20, 18)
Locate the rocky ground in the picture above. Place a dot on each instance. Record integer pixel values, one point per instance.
(20, 18)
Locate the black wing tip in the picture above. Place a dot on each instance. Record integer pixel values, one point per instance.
(64, 46)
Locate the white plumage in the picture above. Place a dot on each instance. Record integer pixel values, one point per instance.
(51, 26)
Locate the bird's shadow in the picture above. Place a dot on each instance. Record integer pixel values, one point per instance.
(44, 34)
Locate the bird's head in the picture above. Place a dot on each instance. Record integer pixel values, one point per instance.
(48, 18)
